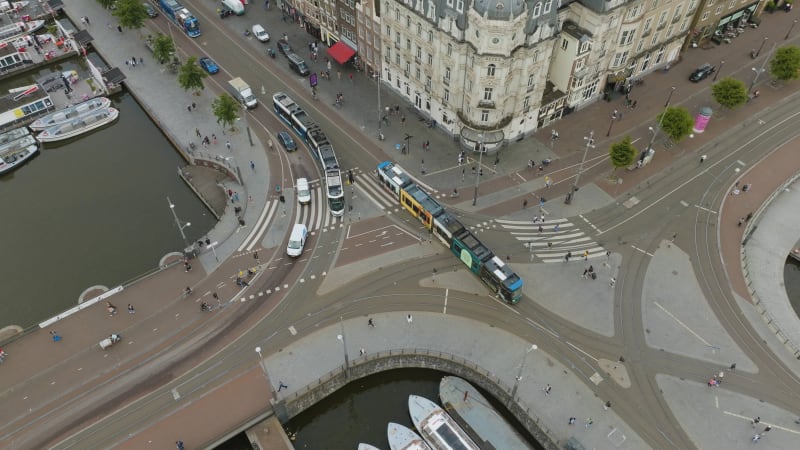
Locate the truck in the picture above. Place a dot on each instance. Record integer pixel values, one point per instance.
(235, 6)
(181, 17)
(242, 93)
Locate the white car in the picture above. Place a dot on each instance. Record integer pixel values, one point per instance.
(260, 33)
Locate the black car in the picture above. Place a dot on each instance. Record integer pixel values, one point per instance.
(286, 141)
(284, 47)
(150, 10)
(702, 72)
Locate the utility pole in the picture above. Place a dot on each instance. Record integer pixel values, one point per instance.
(589, 144)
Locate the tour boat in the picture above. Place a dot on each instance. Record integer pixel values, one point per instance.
(13, 135)
(13, 29)
(17, 144)
(12, 159)
(67, 114)
(438, 429)
(79, 125)
(402, 438)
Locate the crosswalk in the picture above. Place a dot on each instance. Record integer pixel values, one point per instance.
(367, 185)
(552, 240)
(316, 215)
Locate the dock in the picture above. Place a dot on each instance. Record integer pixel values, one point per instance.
(478, 417)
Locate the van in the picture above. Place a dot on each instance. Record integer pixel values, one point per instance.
(297, 240)
(234, 6)
(303, 192)
(297, 64)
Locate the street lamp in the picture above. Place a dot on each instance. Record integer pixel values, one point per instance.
(589, 144)
(266, 375)
(611, 124)
(760, 47)
(247, 125)
(478, 172)
(519, 374)
(672, 91)
(721, 63)
(344, 347)
(794, 22)
(755, 79)
(178, 223)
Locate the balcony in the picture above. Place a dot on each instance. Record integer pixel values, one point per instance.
(486, 104)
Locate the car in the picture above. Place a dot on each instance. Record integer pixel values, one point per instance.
(286, 141)
(209, 65)
(702, 72)
(150, 10)
(284, 47)
(260, 33)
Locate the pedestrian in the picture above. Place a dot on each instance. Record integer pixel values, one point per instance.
(571, 421)
(189, 108)
(253, 166)
(466, 396)
(525, 203)
(282, 386)
(702, 159)
(112, 310)
(228, 145)
(351, 78)
(214, 138)
(403, 120)
(194, 105)
(363, 351)
(733, 367)
(589, 422)
(755, 421)
(216, 296)
(547, 389)
(747, 219)
(541, 228)
(141, 61)
(612, 282)
(547, 182)
(86, 18)
(56, 337)
(409, 319)
(741, 221)
(339, 74)
(756, 437)
(179, 445)
(633, 105)
(371, 323)
(119, 28)
(556, 228)
(607, 405)
(766, 430)
(746, 188)
(586, 255)
(585, 272)
(187, 267)
(567, 256)
(197, 132)
(130, 309)
(591, 269)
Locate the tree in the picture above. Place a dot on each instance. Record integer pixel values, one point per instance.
(130, 14)
(622, 153)
(107, 4)
(191, 76)
(785, 65)
(226, 110)
(676, 122)
(729, 92)
(163, 48)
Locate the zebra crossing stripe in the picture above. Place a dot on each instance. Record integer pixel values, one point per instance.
(530, 222)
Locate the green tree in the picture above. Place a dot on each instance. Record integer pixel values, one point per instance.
(729, 92)
(785, 65)
(163, 48)
(226, 110)
(130, 14)
(676, 122)
(107, 4)
(622, 153)
(191, 76)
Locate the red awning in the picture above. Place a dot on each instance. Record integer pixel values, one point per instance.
(341, 52)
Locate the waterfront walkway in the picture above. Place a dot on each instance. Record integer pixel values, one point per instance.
(162, 315)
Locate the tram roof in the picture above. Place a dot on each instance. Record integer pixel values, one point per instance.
(502, 271)
(422, 197)
(474, 245)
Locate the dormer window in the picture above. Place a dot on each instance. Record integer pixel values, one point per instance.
(537, 9)
(491, 70)
(547, 5)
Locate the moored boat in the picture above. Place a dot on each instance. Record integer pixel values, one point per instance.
(13, 135)
(363, 446)
(17, 144)
(15, 158)
(438, 429)
(403, 438)
(79, 125)
(65, 115)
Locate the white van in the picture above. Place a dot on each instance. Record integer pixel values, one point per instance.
(235, 6)
(303, 192)
(297, 240)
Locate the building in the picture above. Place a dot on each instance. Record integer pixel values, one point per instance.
(721, 19)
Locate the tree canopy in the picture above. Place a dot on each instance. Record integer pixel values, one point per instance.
(130, 14)
(226, 110)
(191, 75)
(163, 48)
(729, 92)
(785, 65)
(676, 122)
(107, 4)
(622, 153)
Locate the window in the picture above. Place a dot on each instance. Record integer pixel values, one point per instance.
(397, 58)
(530, 81)
(654, 5)
(640, 45)
(487, 94)
(432, 10)
(408, 68)
(419, 53)
(526, 102)
(428, 82)
(678, 11)
(397, 38)
(585, 46)
(633, 12)
(450, 3)
(449, 49)
(408, 21)
(460, 5)
(388, 53)
(548, 4)
(537, 9)
(397, 14)
(447, 73)
(388, 30)
(692, 4)
(430, 59)
(647, 24)
(564, 44)
(619, 59)
(626, 38)
(419, 29)
(408, 44)
(490, 70)
(684, 25)
(484, 116)
(663, 19)
(705, 16)
(718, 11)
(418, 73)
(430, 36)
(446, 95)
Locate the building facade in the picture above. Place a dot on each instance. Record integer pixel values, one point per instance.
(721, 19)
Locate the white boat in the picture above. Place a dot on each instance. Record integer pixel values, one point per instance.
(69, 113)
(9, 6)
(438, 429)
(15, 158)
(79, 125)
(17, 144)
(13, 29)
(363, 446)
(13, 135)
(402, 438)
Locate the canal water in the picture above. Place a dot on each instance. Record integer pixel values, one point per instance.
(92, 210)
(361, 411)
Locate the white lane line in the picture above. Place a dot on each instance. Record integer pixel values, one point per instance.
(581, 350)
(369, 196)
(699, 338)
(588, 223)
(705, 209)
(527, 222)
(263, 226)
(446, 293)
(267, 208)
(642, 251)
(750, 419)
(318, 208)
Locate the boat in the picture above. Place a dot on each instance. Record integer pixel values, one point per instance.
(12, 6)
(69, 113)
(13, 135)
(17, 144)
(13, 29)
(363, 446)
(468, 406)
(438, 429)
(403, 438)
(15, 158)
(79, 125)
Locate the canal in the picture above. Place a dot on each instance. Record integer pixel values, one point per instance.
(92, 210)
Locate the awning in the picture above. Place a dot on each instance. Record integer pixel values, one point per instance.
(341, 52)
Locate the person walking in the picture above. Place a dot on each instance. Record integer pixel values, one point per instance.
(228, 145)
(282, 386)
(371, 323)
(702, 159)
(179, 445)
(130, 309)
(612, 282)
(253, 166)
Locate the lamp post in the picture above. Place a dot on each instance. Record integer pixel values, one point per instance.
(377, 76)
(794, 22)
(519, 374)
(755, 79)
(721, 63)
(760, 47)
(341, 337)
(178, 223)
(589, 144)
(669, 97)
(247, 125)
(266, 375)
(611, 124)
(478, 172)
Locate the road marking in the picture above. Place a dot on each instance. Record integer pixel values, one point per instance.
(175, 394)
(293, 330)
(705, 209)
(446, 292)
(749, 419)
(521, 177)
(581, 350)
(683, 324)
(684, 204)
(267, 207)
(588, 223)
(716, 401)
(262, 227)
(740, 162)
(642, 250)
